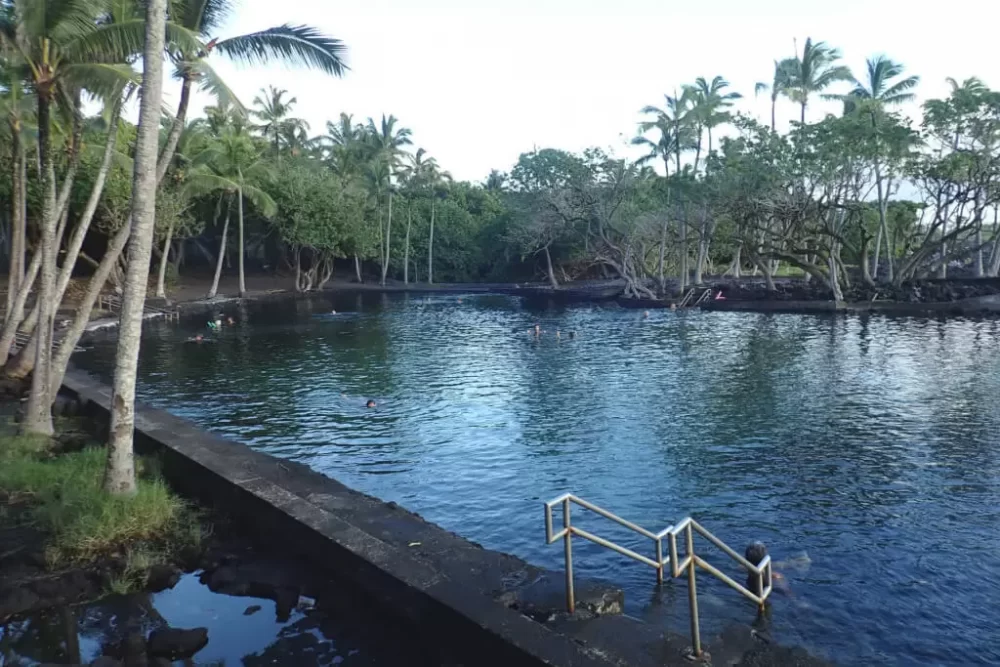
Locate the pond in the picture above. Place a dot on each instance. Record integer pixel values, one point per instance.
(242, 630)
(862, 450)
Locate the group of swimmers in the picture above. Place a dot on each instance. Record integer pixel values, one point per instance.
(537, 332)
(213, 325)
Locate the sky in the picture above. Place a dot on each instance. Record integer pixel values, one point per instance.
(479, 82)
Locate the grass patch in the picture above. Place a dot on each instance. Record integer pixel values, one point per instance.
(82, 521)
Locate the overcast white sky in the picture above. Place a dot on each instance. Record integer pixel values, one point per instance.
(480, 82)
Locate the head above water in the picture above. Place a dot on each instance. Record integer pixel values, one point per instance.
(755, 552)
(370, 403)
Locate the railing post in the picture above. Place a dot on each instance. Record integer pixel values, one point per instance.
(659, 561)
(568, 542)
(693, 592)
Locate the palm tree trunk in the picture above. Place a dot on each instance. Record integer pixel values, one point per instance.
(161, 279)
(96, 190)
(222, 252)
(774, 105)
(406, 252)
(17, 222)
(549, 270)
(38, 413)
(430, 248)
(170, 146)
(803, 118)
(357, 267)
(16, 315)
(388, 234)
(97, 281)
(119, 476)
(239, 209)
(709, 141)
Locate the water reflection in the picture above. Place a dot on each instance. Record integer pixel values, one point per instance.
(241, 630)
(866, 442)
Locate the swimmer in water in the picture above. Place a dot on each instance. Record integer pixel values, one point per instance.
(572, 335)
(755, 553)
(538, 330)
(558, 334)
(673, 306)
(645, 314)
(230, 321)
(333, 312)
(370, 403)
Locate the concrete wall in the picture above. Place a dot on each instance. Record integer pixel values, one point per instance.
(441, 584)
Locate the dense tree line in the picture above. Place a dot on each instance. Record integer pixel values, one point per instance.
(863, 195)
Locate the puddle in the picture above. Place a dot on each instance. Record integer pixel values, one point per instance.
(238, 634)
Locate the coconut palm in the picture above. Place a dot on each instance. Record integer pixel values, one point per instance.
(119, 477)
(879, 85)
(784, 75)
(676, 124)
(232, 165)
(423, 173)
(287, 44)
(813, 72)
(711, 104)
(276, 126)
(386, 143)
(61, 50)
(16, 105)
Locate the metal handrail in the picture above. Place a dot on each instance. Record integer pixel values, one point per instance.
(687, 298)
(691, 561)
(707, 294)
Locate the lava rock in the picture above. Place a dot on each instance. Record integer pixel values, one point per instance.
(16, 600)
(252, 609)
(106, 661)
(176, 643)
(161, 577)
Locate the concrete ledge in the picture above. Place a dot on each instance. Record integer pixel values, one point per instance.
(971, 306)
(445, 586)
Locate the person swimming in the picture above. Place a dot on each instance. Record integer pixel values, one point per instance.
(198, 338)
(673, 306)
(333, 312)
(371, 403)
(538, 330)
(645, 314)
(755, 553)
(572, 335)
(230, 321)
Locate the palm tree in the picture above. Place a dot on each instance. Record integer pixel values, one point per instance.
(287, 44)
(386, 142)
(61, 50)
(784, 75)
(813, 72)
(423, 173)
(276, 126)
(192, 140)
(15, 107)
(676, 124)
(874, 94)
(711, 104)
(879, 86)
(119, 477)
(232, 165)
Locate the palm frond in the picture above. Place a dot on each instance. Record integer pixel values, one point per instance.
(261, 200)
(102, 80)
(288, 44)
(209, 81)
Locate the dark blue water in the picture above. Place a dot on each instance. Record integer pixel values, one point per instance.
(863, 450)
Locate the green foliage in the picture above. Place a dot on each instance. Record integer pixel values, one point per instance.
(82, 521)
